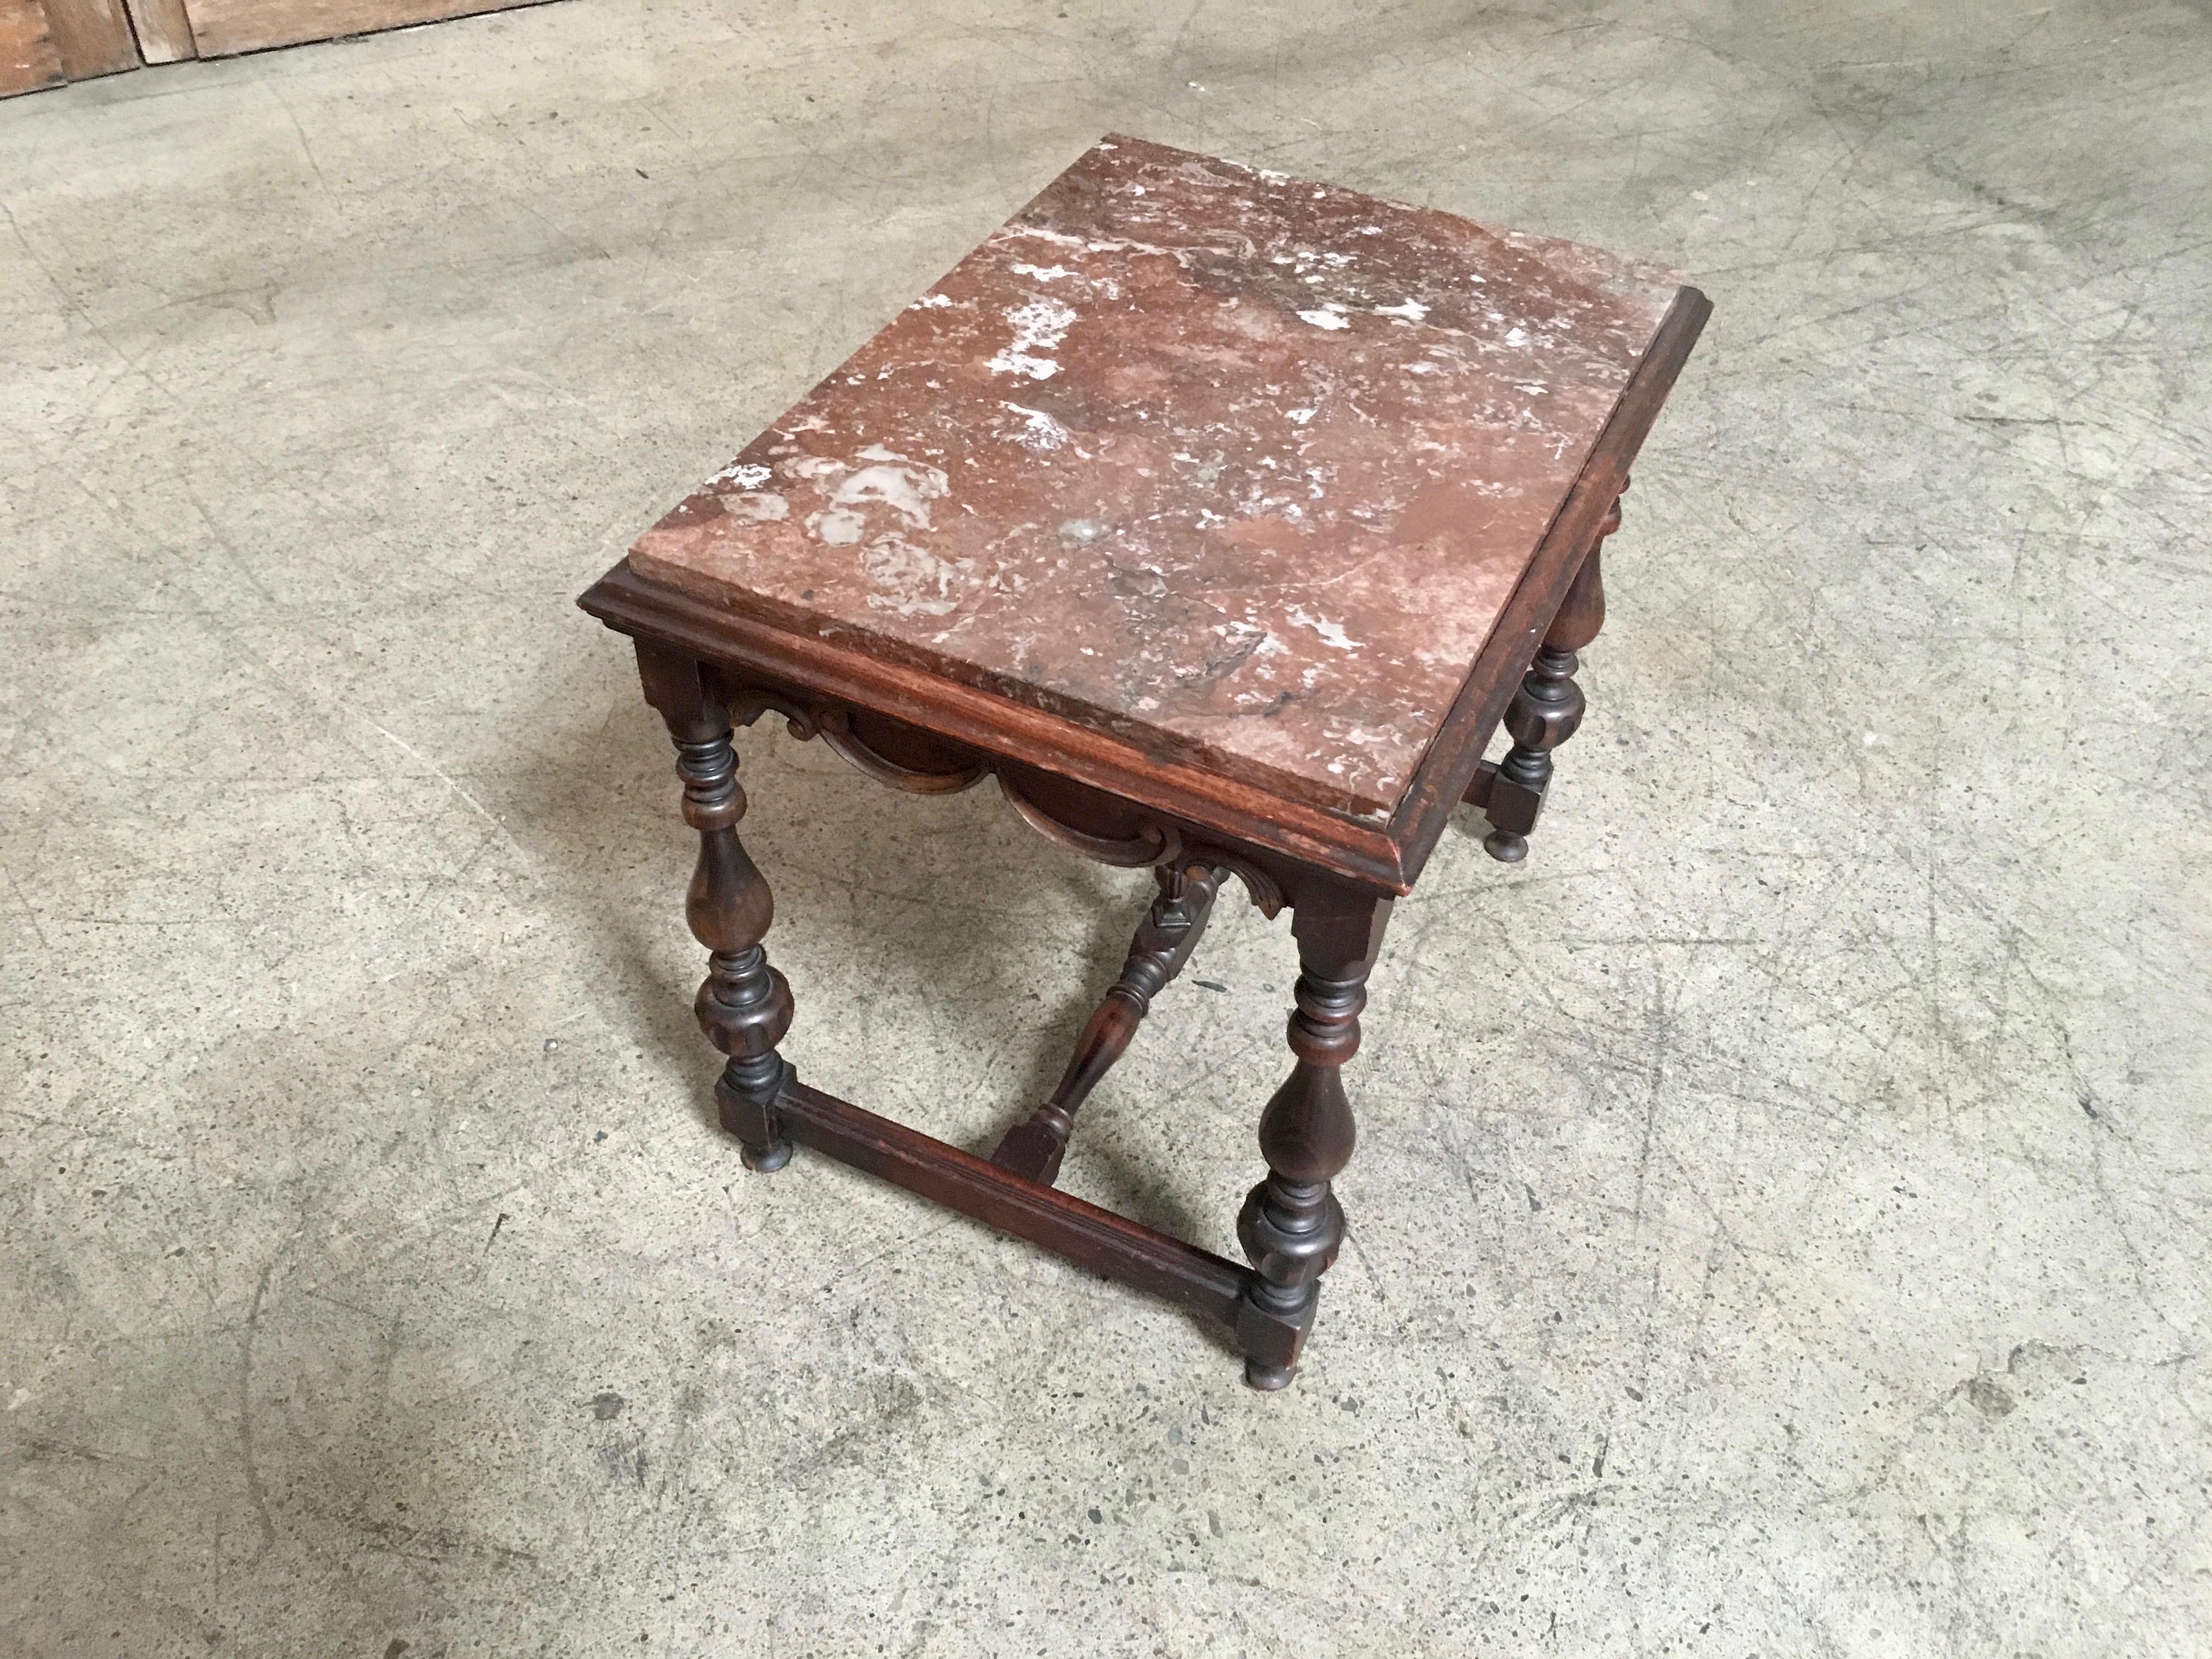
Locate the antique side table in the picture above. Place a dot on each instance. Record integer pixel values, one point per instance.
(1221, 518)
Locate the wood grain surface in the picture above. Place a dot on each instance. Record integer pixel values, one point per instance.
(28, 57)
(221, 27)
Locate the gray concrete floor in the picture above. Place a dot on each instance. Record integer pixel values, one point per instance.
(1779, 1226)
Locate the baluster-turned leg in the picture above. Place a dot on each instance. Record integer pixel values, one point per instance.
(744, 1006)
(1292, 1225)
(1545, 711)
(1164, 943)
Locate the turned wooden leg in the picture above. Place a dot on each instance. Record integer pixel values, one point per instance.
(744, 1006)
(1292, 1225)
(1164, 943)
(1545, 711)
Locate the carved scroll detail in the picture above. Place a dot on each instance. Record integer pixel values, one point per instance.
(1154, 843)
(1262, 889)
(749, 705)
(834, 725)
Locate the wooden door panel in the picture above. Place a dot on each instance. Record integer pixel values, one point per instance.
(47, 43)
(28, 57)
(93, 37)
(165, 33)
(222, 27)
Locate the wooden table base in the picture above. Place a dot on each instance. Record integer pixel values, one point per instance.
(1220, 519)
(1290, 1226)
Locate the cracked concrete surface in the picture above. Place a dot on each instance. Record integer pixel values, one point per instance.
(1779, 1226)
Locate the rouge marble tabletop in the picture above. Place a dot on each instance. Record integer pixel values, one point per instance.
(1239, 466)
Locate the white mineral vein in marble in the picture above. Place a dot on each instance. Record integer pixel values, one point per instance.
(890, 480)
(1039, 431)
(838, 527)
(905, 487)
(1039, 326)
(918, 582)
(1331, 633)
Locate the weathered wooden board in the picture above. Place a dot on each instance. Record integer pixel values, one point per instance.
(221, 27)
(93, 37)
(165, 33)
(28, 57)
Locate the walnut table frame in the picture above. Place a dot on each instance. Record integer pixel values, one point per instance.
(1223, 518)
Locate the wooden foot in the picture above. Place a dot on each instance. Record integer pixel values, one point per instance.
(1268, 1378)
(744, 1006)
(1545, 712)
(766, 1161)
(1292, 1225)
(1164, 943)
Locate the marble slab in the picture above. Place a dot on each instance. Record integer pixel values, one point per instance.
(1239, 467)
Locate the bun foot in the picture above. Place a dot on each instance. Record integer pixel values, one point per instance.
(1268, 1378)
(765, 1160)
(1505, 847)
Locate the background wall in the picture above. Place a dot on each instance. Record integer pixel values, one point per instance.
(48, 43)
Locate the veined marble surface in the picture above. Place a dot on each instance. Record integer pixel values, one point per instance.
(1240, 465)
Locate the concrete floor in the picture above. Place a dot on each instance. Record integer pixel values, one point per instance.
(1779, 1225)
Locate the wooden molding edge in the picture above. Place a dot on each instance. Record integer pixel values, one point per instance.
(1222, 806)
